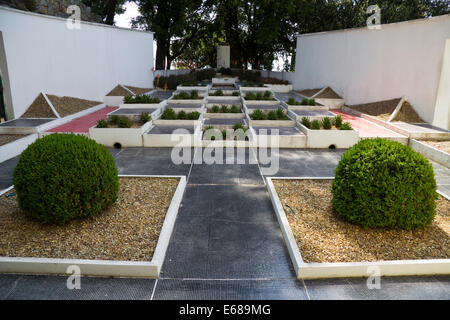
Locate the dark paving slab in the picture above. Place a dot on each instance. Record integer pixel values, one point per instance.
(223, 101)
(282, 131)
(149, 166)
(223, 122)
(314, 113)
(6, 172)
(137, 111)
(231, 233)
(253, 107)
(162, 95)
(16, 287)
(225, 174)
(169, 129)
(25, 123)
(285, 96)
(175, 289)
(391, 288)
(184, 106)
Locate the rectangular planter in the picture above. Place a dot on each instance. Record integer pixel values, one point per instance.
(331, 103)
(194, 123)
(282, 88)
(187, 101)
(190, 88)
(323, 139)
(173, 140)
(347, 269)
(284, 141)
(225, 80)
(106, 268)
(269, 123)
(127, 137)
(224, 115)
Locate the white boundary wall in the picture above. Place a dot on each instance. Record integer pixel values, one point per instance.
(44, 55)
(365, 65)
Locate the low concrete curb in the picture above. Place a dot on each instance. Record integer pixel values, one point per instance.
(14, 148)
(347, 269)
(105, 268)
(430, 152)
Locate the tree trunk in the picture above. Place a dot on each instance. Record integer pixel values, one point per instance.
(111, 12)
(162, 51)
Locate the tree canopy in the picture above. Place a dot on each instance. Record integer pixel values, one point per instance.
(258, 31)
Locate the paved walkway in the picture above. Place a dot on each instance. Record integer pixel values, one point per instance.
(226, 243)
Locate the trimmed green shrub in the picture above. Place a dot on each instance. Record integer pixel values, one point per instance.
(306, 122)
(124, 122)
(143, 98)
(281, 115)
(315, 125)
(62, 177)
(326, 123)
(381, 183)
(181, 115)
(145, 117)
(338, 121)
(193, 115)
(102, 123)
(271, 115)
(194, 94)
(238, 126)
(250, 96)
(346, 126)
(311, 102)
(223, 109)
(258, 115)
(235, 94)
(267, 95)
(215, 109)
(169, 114)
(305, 102)
(114, 119)
(291, 101)
(182, 96)
(234, 109)
(217, 93)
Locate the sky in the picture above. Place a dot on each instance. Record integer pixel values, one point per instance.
(124, 21)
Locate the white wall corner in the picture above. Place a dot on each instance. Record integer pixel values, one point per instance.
(442, 108)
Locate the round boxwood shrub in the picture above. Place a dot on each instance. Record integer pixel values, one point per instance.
(65, 176)
(381, 183)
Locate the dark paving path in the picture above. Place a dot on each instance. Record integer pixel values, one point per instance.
(226, 243)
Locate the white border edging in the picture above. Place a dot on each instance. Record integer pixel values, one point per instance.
(14, 148)
(105, 268)
(431, 152)
(346, 269)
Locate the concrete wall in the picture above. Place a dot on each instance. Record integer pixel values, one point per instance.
(366, 65)
(42, 54)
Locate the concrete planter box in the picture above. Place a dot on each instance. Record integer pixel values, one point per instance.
(430, 152)
(226, 93)
(135, 117)
(269, 123)
(127, 137)
(317, 116)
(331, 103)
(28, 126)
(302, 107)
(347, 269)
(105, 268)
(323, 139)
(260, 102)
(281, 88)
(177, 107)
(227, 144)
(190, 88)
(14, 148)
(173, 139)
(186, 101)
(229, 99)
(193, 123)
(142, 105)
(245, 90)
(284, 141)
(113, 101)
(224, 115)
(225, 80)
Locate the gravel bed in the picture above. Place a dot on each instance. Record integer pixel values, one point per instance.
(441, 145)
(322, 237)
(66, 106)
(128, 230)
(383, 110)
(118, 91)
(309, 92)
(328, 93)
(7, 138)
(139, 91)
(39, 109)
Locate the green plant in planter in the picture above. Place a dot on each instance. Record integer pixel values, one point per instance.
(143, 98)
(306, 122)
(259, 96)
(267, 95)
(258, 115)
(272, 115)
(145, 117)
(234, 109)
(114, 120)
(250, 96)
(305, 102)
(182, 96)
(291, 101)
(102, 123)
(218, 93)
(315, 125)
(238, 126)
(169, 114)
(215, 109)
(181, 115)
(194, 94)
(62, 177)
(326, 123)
(281, 115)
(381, 183)
(235, 94)
(311, 102)
(338, 121)
(124, 122)
(224, 109)
(346, 126)
(193, 115)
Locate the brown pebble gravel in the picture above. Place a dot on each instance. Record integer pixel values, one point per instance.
(328, 93)
(128, 230)
(322, 237)
(66, 106)
(309, 92)
(118, 91)
(39, 109)
(138, 91)
(441, 145)
(7, 138)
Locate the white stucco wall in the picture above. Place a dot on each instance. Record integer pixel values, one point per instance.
(44, 55)
(366, 65)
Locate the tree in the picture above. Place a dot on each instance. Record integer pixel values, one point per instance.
(107, 9)
(175, 23)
